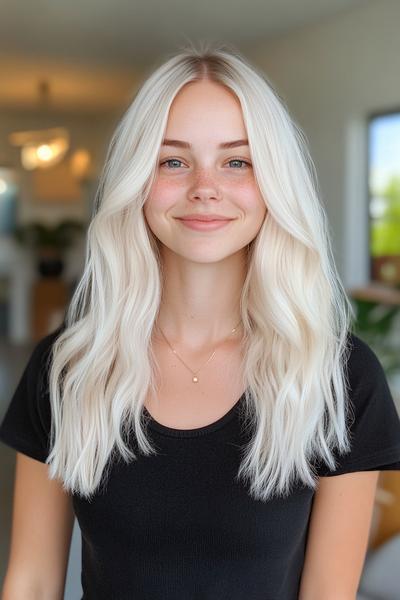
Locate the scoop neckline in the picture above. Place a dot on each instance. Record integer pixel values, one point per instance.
(197, 431)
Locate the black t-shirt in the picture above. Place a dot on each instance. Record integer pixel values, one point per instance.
(177, 525)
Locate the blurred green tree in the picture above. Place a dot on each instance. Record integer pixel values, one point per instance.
(385, 229)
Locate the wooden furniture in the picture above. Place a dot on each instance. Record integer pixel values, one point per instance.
(49, 301)
(377, 292)
(386, 521)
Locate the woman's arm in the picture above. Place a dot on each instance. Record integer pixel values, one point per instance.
(42, 524)
(338, 536)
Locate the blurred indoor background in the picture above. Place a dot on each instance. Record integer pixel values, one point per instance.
(68, 71)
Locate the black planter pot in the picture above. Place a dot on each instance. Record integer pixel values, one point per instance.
(50, 267)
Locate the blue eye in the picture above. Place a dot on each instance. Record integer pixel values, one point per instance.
(170, 160)
(239, 160)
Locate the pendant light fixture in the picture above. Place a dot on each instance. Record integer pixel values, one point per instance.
(44, 147)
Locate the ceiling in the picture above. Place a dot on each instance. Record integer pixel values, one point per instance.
(94, 52)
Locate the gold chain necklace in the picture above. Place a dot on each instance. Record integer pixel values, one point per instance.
(195, 379)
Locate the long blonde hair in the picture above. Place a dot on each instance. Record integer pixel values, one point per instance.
(295, 312)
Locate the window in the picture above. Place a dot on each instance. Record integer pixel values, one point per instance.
(384, 197)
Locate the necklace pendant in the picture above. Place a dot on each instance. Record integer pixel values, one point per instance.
(194, 379)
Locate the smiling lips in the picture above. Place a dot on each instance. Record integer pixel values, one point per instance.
(204, 217)
(204, 222)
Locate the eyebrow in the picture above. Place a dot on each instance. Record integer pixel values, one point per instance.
(223, 145)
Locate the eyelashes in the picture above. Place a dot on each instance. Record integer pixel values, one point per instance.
(240, 160)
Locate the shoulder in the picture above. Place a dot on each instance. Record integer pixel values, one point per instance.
(39, 361)
(360, 351)
(368, 388)
(363, 367)
(45, 343)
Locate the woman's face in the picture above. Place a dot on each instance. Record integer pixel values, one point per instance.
(196, 175)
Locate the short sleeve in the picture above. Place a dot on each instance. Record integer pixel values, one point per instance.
(374, 424)
(27, 421)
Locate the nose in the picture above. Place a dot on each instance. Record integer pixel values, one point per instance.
(204, 186)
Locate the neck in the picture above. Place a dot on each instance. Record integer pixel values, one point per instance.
(200, 302)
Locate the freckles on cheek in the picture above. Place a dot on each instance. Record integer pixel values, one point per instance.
(165, 190)
(168, 184)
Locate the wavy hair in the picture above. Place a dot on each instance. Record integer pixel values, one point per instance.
(294, 310)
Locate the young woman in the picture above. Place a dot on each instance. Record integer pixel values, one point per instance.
(204, 410)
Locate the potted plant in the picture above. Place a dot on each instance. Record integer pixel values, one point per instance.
(49, 242)
(377, 309)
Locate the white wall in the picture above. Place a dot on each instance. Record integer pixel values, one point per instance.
(332, 75)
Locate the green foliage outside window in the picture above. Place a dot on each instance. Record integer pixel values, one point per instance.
(385, 230)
